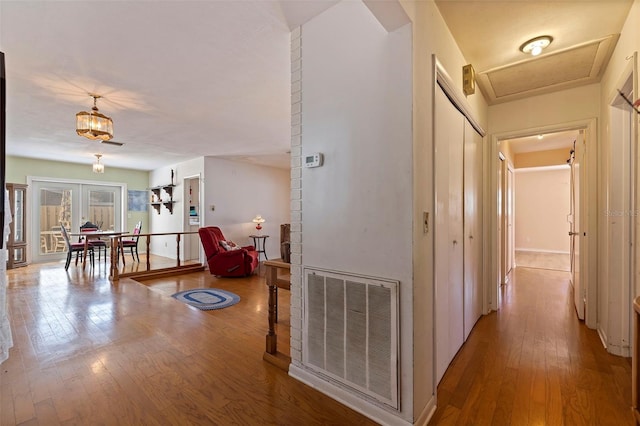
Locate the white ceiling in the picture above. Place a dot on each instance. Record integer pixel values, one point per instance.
(490, 33)
(185, 79)
(179, 79)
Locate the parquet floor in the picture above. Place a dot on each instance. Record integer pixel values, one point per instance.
(534, 363)
(87, 352)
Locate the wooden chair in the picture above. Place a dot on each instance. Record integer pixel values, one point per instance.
(76, 248)
(96, 242)
(132, 243)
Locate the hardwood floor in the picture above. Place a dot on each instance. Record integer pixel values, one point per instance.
(89, 352)
(534, 363)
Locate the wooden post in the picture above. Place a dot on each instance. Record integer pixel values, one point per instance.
(115, 246)
(272, 338)
(178, 249)
(271, 353)
(148, 248)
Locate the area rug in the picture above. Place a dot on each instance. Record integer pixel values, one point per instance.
(207, 299)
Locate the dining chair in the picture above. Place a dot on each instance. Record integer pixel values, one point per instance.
(132, 243)
(76, 248)
(44, 246)
(59, 244)
(94, 242)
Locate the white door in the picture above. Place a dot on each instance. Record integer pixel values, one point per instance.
(509, 220)
(448, 232)
(576, 232)
(472, 227)
(504, 247)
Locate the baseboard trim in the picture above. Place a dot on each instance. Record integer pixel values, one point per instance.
(428, 412)
(542, 251)
(366, 408)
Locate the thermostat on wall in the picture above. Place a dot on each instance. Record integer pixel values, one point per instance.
(313, 160)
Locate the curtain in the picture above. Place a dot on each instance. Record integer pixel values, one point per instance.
(6, 340)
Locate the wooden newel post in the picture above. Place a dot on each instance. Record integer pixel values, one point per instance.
(272, 338)
(274, 282)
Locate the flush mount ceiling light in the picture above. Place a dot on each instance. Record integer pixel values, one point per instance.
(535, 45)
(94, 125)
(97, 166)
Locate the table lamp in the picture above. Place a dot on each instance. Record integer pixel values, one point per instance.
(258, 220)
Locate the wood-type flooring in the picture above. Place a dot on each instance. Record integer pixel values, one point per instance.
(534, 363)
(88, 351)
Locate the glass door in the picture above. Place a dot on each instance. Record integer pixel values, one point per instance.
(102, 206)
(70, 204)
(53, 207)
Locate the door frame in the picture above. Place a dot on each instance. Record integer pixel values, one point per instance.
(589, 272)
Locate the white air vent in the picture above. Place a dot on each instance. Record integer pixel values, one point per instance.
(351, 332)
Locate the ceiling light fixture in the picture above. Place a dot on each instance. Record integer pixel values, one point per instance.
(94, 125)
(535, 45)
(97, 166)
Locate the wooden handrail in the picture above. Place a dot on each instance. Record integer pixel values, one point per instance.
(116, 241)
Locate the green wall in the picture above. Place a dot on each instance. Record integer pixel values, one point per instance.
(18, 168)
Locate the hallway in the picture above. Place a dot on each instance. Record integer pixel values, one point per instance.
(534, 363)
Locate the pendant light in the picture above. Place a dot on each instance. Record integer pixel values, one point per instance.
(93, 125)
(98, 167)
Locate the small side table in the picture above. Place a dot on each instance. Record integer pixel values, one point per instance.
(257, 240)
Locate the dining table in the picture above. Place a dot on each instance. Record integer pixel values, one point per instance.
(90, 235)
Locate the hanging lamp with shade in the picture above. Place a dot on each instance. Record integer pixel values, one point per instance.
(94, 125)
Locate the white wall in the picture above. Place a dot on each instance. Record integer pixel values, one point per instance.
(166, 221)
(356, 110)
(239, 192)
(545, 110)
(542, 203)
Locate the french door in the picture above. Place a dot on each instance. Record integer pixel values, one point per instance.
(67, 203)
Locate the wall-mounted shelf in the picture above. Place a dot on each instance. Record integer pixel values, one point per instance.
(157, 200)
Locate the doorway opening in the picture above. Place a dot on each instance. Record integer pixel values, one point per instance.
(192, 217)
(534, 150)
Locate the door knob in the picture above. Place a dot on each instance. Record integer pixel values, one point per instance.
(571, 234)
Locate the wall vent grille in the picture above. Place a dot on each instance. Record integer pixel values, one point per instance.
(351, 332)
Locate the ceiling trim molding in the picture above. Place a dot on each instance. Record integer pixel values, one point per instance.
(527, 70)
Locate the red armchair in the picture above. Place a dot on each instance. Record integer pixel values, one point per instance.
(226, 263)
